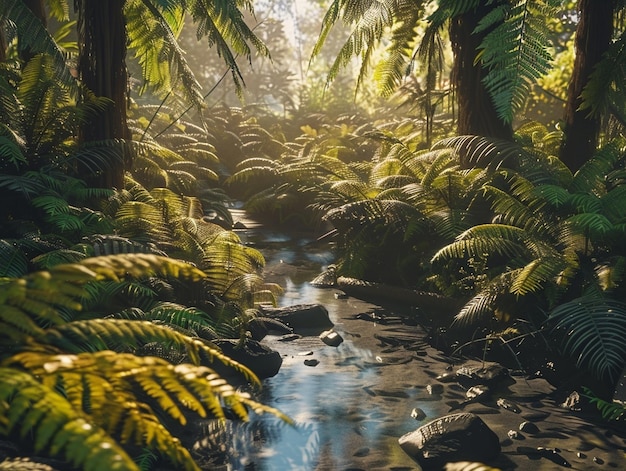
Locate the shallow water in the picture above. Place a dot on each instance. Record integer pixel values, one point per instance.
(351, 408)
(336, 423)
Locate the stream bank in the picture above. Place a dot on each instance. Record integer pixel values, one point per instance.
(353, 403)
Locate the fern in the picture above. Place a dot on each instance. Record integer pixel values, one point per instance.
(595, 329)
(515, 53)
(31, 407)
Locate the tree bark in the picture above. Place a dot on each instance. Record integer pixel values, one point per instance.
(593, 37)
(476, 112)
(102, 69)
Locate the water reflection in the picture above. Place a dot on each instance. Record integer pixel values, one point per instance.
(338, 416)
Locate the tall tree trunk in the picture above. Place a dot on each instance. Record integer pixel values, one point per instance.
(476, 112)
(3, 44)
(102, 68)
(593, 37)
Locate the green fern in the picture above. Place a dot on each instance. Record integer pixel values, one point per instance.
(595, 328)
(515, 52)
(32, 407)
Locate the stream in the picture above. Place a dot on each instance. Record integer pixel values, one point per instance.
(337, 420)
(351, 403)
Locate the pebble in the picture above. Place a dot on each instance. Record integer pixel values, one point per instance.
(434, 389)
(514, 435)
(598, 460)
(528, 427)
(508, 405)
(418, 414)
(311, 362)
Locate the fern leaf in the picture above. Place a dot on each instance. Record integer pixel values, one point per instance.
(515, 53)
(80, 442)
(594, 329)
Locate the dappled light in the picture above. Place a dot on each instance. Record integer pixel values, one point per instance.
(304, 235)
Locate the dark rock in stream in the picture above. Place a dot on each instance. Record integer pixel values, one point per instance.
(302, 318)
(331, 338)
(455, 437)
(262, 360)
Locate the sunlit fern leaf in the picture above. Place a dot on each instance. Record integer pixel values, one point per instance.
(122, 334)
(514, 212)
(246, 174)
(26, 403)
(36, 38)
(532, 277)
(610, 275)
(555, 195)
(152, 33)
(478, 310)
(592, 332)
(23, 464)
(399, 57)
(57, 257)
(443, 159)
(223, 25)
(484, 239)
(478, 151)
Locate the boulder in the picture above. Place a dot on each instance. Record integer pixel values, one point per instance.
(262, 360)
(302, 318)
(455, 437)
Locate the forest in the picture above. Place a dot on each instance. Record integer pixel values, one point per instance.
(469, 150)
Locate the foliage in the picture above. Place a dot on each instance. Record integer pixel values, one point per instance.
(62, 383)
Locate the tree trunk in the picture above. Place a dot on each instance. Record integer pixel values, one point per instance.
(593, 36)
(102, 69)
(476, 112)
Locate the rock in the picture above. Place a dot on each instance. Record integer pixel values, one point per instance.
(514, 435)
(528, 427)
(239, 225)
(455, 437)
(326, 279)
(434, 389)
(378, 292)
(508, 405)
(311, 362)
(302, 318)
(573, 402)
(418, 414)
(478, 392)
(332, 338)
(262, 360)
(289, 338)
(486, 374)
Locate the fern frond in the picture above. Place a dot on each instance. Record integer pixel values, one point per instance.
(484, 239)
(31, 407)
(121, 334)
(515, 53)
(594, 330)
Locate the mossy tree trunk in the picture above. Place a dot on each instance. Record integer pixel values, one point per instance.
(593, 36)
(102, 69)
